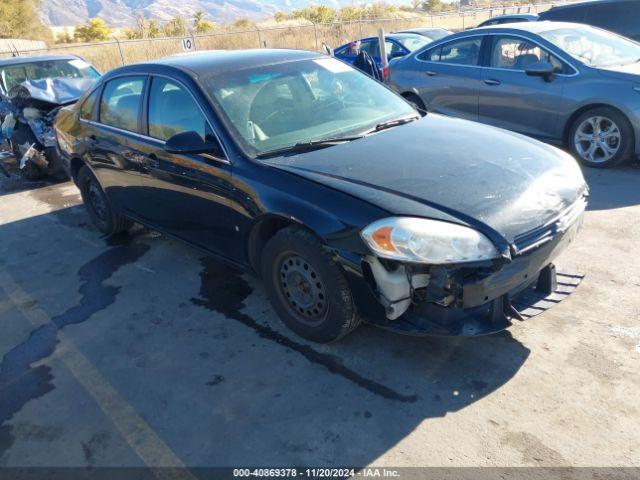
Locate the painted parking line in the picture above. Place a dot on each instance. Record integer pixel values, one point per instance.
(149, 447)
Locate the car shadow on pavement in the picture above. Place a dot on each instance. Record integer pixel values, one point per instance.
(613, 188)
(194, 347)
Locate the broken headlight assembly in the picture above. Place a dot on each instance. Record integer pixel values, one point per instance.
(422, 240)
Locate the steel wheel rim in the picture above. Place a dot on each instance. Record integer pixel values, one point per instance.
(97, 200)
(302, 288)
(597, 139)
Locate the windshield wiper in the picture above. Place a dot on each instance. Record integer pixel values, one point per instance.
(392, 123)
(309, 146)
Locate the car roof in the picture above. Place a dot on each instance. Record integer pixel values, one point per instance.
(513, 15)
(422, 29)
(532, 27)
(229, 60)
(582, 4)
(34, 58)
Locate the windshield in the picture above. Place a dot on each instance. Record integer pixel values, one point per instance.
(593, 47)
(12, 75)
(414, 42)
(278, 106)
(435, 33)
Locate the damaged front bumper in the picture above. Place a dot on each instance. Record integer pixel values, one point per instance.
(467, 300)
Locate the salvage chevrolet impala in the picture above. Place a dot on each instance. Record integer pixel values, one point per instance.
(297, 167)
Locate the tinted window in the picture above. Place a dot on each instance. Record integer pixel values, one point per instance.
(87, 108)
(121, 100)
(564, 15)
(517, 54)
(173, 110)
(460, 52)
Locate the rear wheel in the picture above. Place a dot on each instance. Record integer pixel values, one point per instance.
(416, 102)
(102, 214)
(601, 138)
(306, 287)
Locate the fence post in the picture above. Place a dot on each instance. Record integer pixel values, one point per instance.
(360, 25)
(315, 33)
(119, 49)
(259, 37)
(193, 40)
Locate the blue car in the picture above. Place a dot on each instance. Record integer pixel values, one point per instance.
(398, 45)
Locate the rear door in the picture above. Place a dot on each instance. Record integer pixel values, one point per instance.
(511, 99)
(449, 77)
(111, 140)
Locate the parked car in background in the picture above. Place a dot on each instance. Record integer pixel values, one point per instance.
(619, 16)
(397, 45)
(432, 33)
(563, 83)
(302, 169)
(32, 90)
(515, 18)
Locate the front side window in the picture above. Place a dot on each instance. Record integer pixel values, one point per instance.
(277, 106)
(89, 105)
(594, 47)
(514, 53)
(458, 52)
(173, 110)
(121, 102)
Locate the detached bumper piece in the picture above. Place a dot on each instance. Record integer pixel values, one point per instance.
(526, 301)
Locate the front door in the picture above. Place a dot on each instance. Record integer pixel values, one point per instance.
(511, 99)
(190, 194)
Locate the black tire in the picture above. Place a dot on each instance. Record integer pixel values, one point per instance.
(296, 266)
(416, 102)
(624, 144)
(100, 211)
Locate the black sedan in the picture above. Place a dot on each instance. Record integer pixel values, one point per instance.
(297, 167)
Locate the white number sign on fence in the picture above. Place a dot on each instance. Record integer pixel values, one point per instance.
(187, 44)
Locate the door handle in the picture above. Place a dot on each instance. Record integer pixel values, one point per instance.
(491, 81)
(431, 73)
(152, 161)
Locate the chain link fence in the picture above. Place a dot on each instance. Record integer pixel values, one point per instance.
(114, 53)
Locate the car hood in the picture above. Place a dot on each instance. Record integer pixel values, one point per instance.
(54, 91)
(626, 72)
(501, 183)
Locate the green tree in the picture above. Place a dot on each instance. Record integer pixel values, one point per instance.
(200, 25)
(280, 16)
(243, 23)
(434, 6)
(153, 29)
(95, 30)
(19, 19)
(176, 27)
(64, 37)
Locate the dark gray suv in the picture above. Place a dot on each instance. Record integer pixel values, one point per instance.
(563, 83)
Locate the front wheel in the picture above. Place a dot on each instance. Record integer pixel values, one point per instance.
(100, 211)
(601, 138)
(306, 287)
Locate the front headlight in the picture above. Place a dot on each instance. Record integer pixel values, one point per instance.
(427, 241)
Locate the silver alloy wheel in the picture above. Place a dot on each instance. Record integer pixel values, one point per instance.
(597, 139)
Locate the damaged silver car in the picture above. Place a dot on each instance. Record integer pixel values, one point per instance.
(32, 91)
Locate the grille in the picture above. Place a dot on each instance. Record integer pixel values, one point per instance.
(537, 237)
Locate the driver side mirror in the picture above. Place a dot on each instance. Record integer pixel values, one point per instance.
(541, 69)
(191, 143)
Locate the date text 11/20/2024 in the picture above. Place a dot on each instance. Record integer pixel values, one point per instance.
(316, 472)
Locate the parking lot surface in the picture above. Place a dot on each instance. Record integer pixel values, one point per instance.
(140, 351)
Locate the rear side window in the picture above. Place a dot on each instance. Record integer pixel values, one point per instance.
(121, 102)
(460, 52)
(173, 110)
(89, 105)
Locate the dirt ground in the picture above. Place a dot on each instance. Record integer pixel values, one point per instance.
(140, 351)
